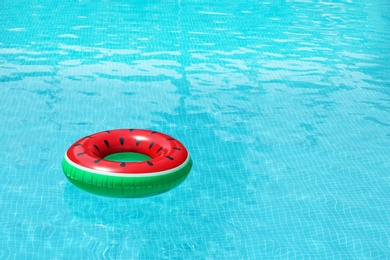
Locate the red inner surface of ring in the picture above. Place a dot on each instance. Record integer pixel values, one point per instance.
(165, 152)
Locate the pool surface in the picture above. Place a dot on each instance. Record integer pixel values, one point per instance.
(284, 107)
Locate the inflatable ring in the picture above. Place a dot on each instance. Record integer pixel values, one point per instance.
(127, 163)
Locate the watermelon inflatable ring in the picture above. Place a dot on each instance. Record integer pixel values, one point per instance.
(127, 163)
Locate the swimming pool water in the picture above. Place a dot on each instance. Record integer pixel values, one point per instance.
(283, 105)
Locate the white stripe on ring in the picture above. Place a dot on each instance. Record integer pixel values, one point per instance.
(132, 175)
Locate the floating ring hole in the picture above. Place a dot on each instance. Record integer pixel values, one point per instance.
(127, 157)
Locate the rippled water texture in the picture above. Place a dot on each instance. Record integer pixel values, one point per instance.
(283, 105)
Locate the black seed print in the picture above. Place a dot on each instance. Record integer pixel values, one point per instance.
(97, 161)
(107, 144)
(169, 157)
(80, 154)
(123, 164)
(170, 139)
(107, 132)
(122, 141)
(131, 130)
(176, 148)
(151, 145)
(149, 163)
(153, 132)
(97, 148)
(159, 149)
(137, 142)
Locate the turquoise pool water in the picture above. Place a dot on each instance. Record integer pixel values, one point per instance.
(283, 105)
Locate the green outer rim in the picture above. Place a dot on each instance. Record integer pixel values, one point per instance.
(125, 187)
